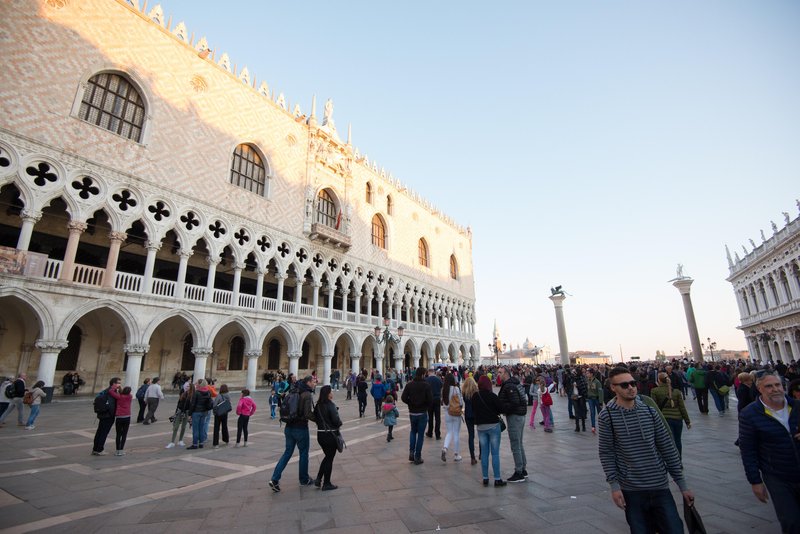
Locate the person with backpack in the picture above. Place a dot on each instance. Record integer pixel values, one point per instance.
(296, 411)
(670, 402)
(452, 399)
(122, 415)
(245, 410)
(15, 392)
(515, 407)
(326, 416)
(199, 410)
(140, 393)
(105, 406)
(390, 415)
(221, 407)
(378, 392)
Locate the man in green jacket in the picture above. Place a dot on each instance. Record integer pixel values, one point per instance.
(698, 381)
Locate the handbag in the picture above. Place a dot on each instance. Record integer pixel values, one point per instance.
(222, 408)
(340, 444)
(547, 400)
(694, 523)
(724, 390)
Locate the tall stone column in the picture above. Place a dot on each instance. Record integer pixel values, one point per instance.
(793, 343)
(260, 288)
(416, 356)
(298, 294)
(150, 263)
(76, 228)
(29, 219)
(355, 363)
(398, 362)
(201, 355)
(294, 363)
(558, 303)
(316, 284)
(237, 283)
(326, 369)
(331, 294)
(47, 363)
(135, 355)
(212, 275)
(281, 277)
(763, 346)
(110, 276)
(180, 285)
(252, 368)
(683, 285)
(751, 346)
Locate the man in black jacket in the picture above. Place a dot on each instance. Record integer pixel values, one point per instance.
(105, 420)
(417, 395)
(515, 406)
(296, 434)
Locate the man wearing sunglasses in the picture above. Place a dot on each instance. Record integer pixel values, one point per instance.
(635, 447)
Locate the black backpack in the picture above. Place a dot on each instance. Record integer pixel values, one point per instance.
(290, 406)
(11, 391)
(102, 405)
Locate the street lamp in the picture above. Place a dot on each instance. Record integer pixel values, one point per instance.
(710, 346)
(494, 349)
(386, 335)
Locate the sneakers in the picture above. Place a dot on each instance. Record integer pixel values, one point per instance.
(516, 477)
(244, 444)
(119, 453)
(318, 483)
(444, 455)
(499, 483)
(473, 461)
(594, 430)
(29, 427)
(192, 448)
(457, 458)
(329, 487)
(99, 453)
(548, 430)
(274, 486)
(419, 461)
(236, 445)
(216, 446)
(309, 482)
(525, 473)
(181, 444)
(170, 446)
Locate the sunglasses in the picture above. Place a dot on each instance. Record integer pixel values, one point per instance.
(626, 385)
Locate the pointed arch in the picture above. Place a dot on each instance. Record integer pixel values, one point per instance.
(247, 329)
(129, 322)
(47, 328)
(195, 328)
(288, 333)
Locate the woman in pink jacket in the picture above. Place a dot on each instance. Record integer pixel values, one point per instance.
(244, 410)
(123, 415)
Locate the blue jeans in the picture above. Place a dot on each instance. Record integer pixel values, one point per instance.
(786, 500)
(650, 511)
(416, 435)
(676, 428)
(490, 442)
(34, 414)
(594, 409)
(200, 427)
(719, 401)
(295, 436)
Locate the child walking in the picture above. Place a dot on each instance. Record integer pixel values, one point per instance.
(244, 410)
(273, 404)
(390, 414)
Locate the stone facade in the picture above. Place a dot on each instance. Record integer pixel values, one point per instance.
(129, 253)
(766, 282)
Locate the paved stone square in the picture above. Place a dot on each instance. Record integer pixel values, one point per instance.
(50, 482)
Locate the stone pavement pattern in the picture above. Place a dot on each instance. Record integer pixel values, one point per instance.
(50, 482)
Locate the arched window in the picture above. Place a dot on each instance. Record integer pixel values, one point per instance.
(453, 267)
(274, 355)
(111, 102)
(378, 232)
(368, 191)
(305, 356)
(389, 205)
(68, 357)
(236, 357)
(326, 210)
(187, 356)
(248, 170)
(423, 253)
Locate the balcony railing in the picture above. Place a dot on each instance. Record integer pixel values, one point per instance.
(134, 283)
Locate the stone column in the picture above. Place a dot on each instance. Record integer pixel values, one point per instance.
(281, 277)
(794, 285)
(29, 220)
(76, 228)
(315, 297)
(237, 283)
(259, 288)
(782, 348)
(110, 276)
(294, 360)
(212, 275)
(398, 362)
(298, 294)
(379, 360)
(416, 356)
(331, 293)
(135, 355)
(355, 361)
(345, 293)
(369, 307)
(326, 369)
(201, 355)
(152, 248)
(180, 285)
(764, 348)
(252, 368)
(47, 363)
(793, 345)
(683, 285)
(558, 303)
(751, 346)
(380, 307)
(771, 303)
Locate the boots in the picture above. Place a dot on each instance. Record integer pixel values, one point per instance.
(577, 425)
(583, 425)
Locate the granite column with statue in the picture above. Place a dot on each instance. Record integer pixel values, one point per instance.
(684, 283)
(558, 303)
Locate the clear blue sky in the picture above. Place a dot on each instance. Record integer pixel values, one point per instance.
(589, 144)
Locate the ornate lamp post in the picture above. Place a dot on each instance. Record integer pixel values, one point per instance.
(386, 336)
(494, 349)
(710, 346)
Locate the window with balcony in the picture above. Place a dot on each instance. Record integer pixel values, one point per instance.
(326, 210)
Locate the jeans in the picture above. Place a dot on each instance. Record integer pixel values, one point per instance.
(435, 418)
(103, 428)
(241, 428)
(569, 406)
(34, 414)
(490, 441)
(16, 402)
(327, 442)
(200, 427)
(719, 401)
(594, 409)
(378, 403)
(220, 423)
(122, 425)
(471, 436)
(142, 406)
(152, 406)
(650, 511)
(180, 424)
(786, 500)
(676, 428)
(416, 434)
(516, 425)
(702, 399)
(453, 427)
(362, 404)
(295, 436)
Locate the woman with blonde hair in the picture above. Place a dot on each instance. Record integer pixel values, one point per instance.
(469, 388)
(670, 402)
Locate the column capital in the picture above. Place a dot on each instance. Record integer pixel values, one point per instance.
(280, 276)
(294, 355)
(117, 236)
(77, 226)
(51, 345)
(213, 260)
(239, 265)
(201, 352)
(185, 253)
(327, 356)
(31, 215)
(356, 356)
(153, 246)
(345, 292)
(317, 284)
(135, 350)
(299, 281)
(683, 285)
(261, 271)
(558, 300)
(253, 354)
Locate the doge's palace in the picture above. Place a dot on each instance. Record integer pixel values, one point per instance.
(164, 211)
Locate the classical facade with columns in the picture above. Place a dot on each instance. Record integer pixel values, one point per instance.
(163, 212)
(767, 286)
